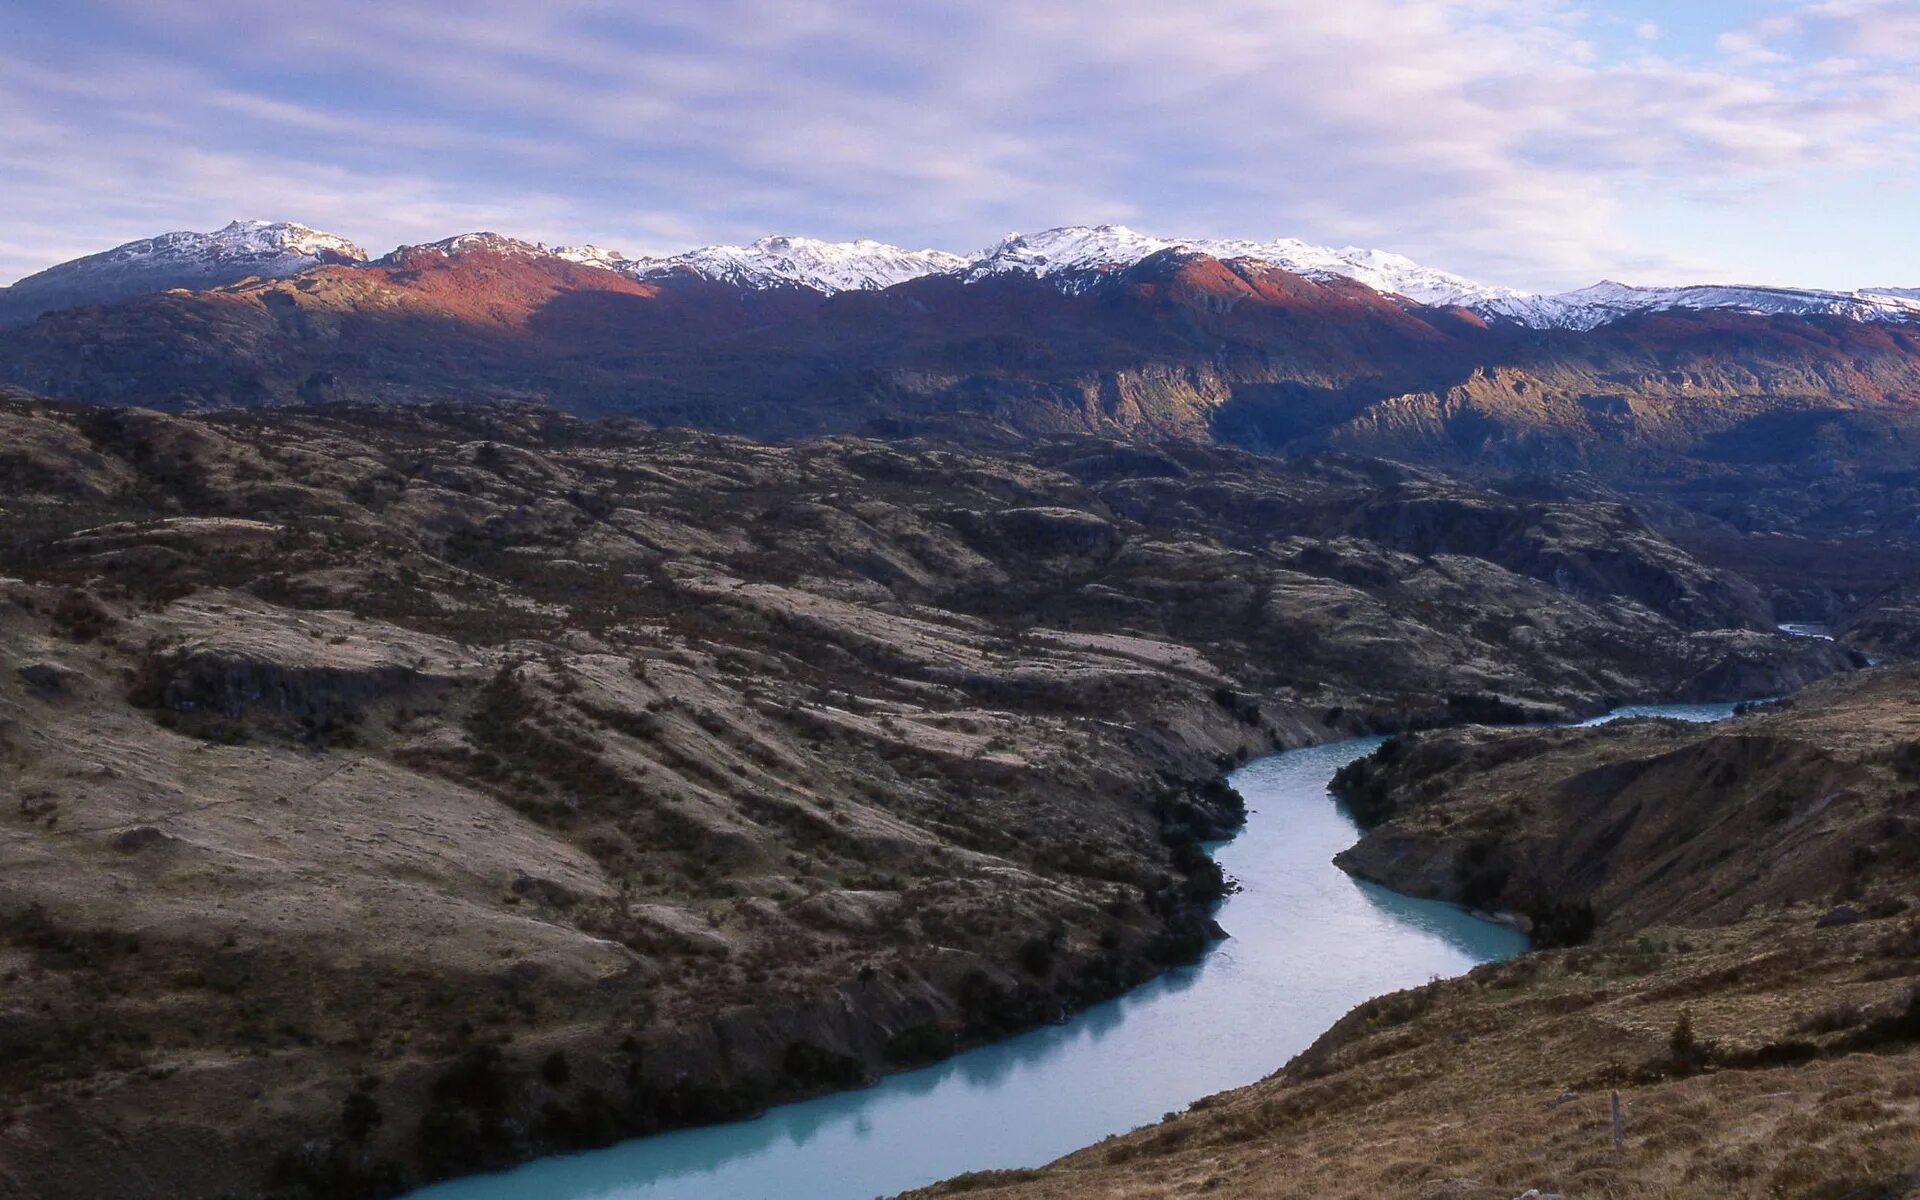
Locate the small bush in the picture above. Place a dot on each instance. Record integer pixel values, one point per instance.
(466, 1126)
(1906, 759)
(78, 617)
(1560, 923)
(1830, 1020)
(360, 1116)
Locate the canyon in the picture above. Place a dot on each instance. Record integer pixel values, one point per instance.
(409, 790)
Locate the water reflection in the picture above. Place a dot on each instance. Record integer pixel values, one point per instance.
(1307, 944)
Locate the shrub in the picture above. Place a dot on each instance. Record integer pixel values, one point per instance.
(917, 1044)
(1482, 874)
(1906, 759)
(78, 617)
(1364, 787)
(1558, 923)
(1036, 955)
(360, 1116)
(466, 1124)
(1243, 709)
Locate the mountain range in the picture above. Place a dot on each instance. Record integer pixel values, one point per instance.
(1792, 410)
(1074, 258)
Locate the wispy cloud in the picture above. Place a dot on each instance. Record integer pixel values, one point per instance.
(1499, 137)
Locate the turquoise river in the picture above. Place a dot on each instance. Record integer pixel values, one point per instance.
(1306, 944)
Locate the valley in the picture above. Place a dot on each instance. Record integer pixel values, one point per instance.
(751, 600)
(669, 774)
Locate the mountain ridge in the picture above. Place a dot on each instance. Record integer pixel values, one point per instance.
(1071, 257)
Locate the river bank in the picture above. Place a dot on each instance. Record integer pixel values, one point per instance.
(1748, 991)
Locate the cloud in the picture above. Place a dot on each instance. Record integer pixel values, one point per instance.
(1887, 29)
(1489, 136)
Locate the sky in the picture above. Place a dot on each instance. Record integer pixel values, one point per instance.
(1536, 143)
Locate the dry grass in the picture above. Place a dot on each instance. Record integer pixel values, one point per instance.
(1499, 1082)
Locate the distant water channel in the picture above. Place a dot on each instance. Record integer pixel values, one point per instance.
(1308, 943)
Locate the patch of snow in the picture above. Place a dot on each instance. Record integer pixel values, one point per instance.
(770, 262)
(1807, 630)
(593, 256)
(462, 243)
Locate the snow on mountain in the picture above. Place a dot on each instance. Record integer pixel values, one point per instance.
(770, 262)
(462, 243)
(176, 260)
(1592, 307)
(501, 244)
(1076, 257)
(268, 247)
(829, 267)
(593, 256)
(1072, 258)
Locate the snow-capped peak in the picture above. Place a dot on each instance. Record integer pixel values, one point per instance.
(1070, 255)
(276, 247)
(801, 262)
(177, 260)
(271, 238)
(1075, 257)
(511, 247)
(465, 243)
